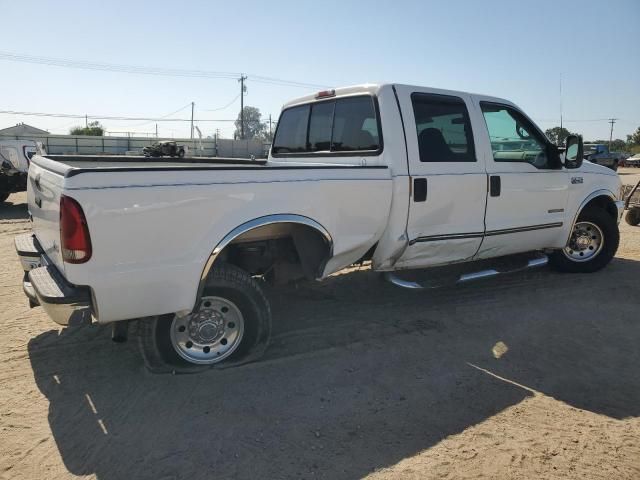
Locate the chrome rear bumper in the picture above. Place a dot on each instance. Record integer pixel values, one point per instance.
(45, 286)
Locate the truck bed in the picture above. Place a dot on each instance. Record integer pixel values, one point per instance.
(121, 162)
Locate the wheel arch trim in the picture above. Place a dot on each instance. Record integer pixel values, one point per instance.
(598, 193)
(257, 223)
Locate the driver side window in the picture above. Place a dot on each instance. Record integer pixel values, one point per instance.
(514, 138)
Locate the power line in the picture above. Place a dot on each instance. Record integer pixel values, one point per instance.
(226, 106)
(163, 116)
(117, 118)
(147, 70)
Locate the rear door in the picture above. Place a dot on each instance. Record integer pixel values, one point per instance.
(528, 186)
(448, 179)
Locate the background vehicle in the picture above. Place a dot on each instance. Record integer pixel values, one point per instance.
(631, 196)
(402, 176)
(165, 148)
(633, 161)
(600, 154)
(14, 164)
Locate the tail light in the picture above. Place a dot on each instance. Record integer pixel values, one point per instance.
(74, 232)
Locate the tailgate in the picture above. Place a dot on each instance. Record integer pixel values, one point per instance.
(44, 188)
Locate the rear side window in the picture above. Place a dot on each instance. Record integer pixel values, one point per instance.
(443, 128)
(334, 126)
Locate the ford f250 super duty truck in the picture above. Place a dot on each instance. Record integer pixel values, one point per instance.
(402, 176)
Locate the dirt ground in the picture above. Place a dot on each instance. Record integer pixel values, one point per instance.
(532, 375)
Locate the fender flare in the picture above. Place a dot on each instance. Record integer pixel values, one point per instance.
(598, 193)
(251, 225)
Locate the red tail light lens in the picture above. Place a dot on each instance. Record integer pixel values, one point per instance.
(74, 232)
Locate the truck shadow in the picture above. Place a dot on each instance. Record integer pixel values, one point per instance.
(360, 375)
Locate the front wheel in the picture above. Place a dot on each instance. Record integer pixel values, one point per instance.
(231, 325)
(593, 243)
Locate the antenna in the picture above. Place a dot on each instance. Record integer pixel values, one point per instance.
(561, 101)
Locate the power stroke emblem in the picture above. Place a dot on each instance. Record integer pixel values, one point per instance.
(575, 180)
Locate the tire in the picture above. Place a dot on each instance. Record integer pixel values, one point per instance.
(181, 153)
(3, 196)
(615, 166)
(164, 340)
(591, 223)
(632, 217)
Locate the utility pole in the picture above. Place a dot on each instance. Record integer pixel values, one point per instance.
(86, 121)
(156, 130)
(612, 121)
(192, 104)
(270, 139)
(242, 90)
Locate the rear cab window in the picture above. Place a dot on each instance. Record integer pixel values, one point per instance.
(339, 126)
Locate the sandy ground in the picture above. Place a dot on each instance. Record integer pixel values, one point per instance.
(533, 375)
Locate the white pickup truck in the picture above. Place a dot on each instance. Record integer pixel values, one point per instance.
(402, 176)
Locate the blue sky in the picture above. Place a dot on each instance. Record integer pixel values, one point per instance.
(512, 49)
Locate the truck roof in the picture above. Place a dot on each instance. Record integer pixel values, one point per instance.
(374, 88)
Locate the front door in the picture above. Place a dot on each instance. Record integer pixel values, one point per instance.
(448, 180)
(528, 188)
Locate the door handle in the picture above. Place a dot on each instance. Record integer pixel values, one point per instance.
(494, 185)
(419, 189)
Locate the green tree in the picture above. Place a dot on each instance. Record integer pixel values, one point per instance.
(618, 145)
(557, 135)
(634, 138)
(92, 129)
(253, 126)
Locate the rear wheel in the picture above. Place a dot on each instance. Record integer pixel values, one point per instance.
(181, 153)
(231, 325)
(593, 243)
(632, 217)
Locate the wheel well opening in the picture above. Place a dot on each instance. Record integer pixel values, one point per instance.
(604, 203)
(280, 252)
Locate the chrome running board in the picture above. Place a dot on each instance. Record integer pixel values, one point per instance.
(466, 277)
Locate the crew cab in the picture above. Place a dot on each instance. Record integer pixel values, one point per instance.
(404, 177)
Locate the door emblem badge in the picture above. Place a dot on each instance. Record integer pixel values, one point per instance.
(575, 180)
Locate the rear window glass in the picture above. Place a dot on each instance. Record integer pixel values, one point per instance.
(292, 131)
(341, 125)
(320, 126)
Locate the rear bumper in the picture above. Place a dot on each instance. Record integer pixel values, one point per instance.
(44, 285)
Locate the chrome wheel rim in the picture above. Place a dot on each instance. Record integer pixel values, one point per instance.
(210, 334)
(586, 242)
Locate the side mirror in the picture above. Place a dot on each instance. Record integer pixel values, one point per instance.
(573, 152)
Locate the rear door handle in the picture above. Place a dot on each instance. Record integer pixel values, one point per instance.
(494, 186)
(419, 189)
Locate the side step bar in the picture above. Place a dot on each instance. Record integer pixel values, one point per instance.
(466, 277)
